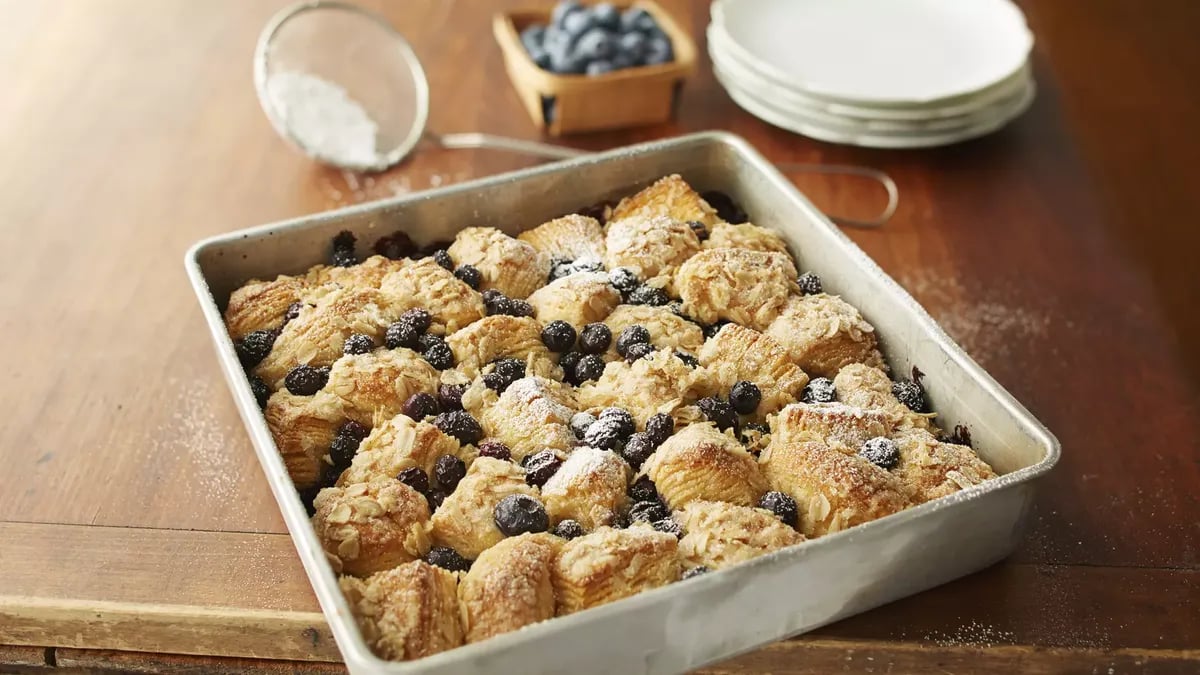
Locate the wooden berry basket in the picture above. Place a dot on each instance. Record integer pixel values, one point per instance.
(622, 98)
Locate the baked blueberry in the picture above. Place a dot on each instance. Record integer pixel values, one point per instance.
(659, 428)
(469, 275)
(669, 527)
(720, 413)
(358, 343)
(559, 336)
(695, 572)
(414, 478)
(580, 422)
(648, 511)
(688, 360)
(727, 209)
(781, 505)
(568, 529)
(435, 497)
(819, 390)
(260, 390)
(448, 470)
(401, 334)
(759, 430)
(492, 299)
(518, 514)
(623, 279)
(442, 257)
(639, 351)
(810, 283)
(450, 396)
(506, 372)
(427, 340)
(514, 307)
(632, 335)
(911, 394)
(595, 338)
(343, 250)
(604, 435)
(353, 430)
(620, 417)
(342, 450)
(395, 246)
(560, 268)
(643, 490)
(711, 331)
(447, 559)
(461, 425)
(620, 521)
(495, 449)
(745, 397)
(255, 346)
(292, 312)
(540, 467)
(439, 356)
(568, 362)
(881, 451)
(648, 295)
(590, 367)
(419, 406)
(699, 229)
(638, 449)
(305, 380)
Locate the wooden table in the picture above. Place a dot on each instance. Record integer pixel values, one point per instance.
(134, 519)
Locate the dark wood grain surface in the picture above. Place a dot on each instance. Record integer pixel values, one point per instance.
(1060, 252)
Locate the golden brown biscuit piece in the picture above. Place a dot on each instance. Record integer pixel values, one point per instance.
(739, 353)
(718, 535)
(571, 237)
(650, 246)
(261, 305)
(375, 385)
(509, 586)
(502, 336)
(366, 275)
(932, 469)
(578, 299)
(834, 490)
(867, 387)
(658, 383)
(669, 196)
(831, 423)
(746, 235)
(370, 527)
(508, 265)
(589, 488)
(533, 414)
(303, 427)
(609, 564)
(407, 612)
(316, 336)
(398, 444)
(466, 522)
(745, 287)
(701, 463)
(427, 285)
(666, 328)
(823, 333)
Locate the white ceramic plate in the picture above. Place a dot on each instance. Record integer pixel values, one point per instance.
(934, 115)
(807, 126)
(880, 52)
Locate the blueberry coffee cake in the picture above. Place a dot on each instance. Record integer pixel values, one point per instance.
(494, 431)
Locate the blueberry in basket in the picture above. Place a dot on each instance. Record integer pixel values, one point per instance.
(596, 39)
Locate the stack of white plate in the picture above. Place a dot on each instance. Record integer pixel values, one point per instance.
(875, 73)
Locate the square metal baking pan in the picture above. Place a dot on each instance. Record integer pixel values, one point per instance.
(716, 616)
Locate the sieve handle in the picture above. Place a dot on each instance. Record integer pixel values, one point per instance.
(532, 148)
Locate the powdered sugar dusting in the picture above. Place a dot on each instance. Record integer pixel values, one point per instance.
(324, 119)
(974, 634)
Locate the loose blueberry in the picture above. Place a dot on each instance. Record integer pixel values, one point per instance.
(428, 340)
(633, 17)
(532, 37)
(881, 451)
(353, 430)
(563, 9)
(727, 209)
(607, 16)
(576, 24)
(343, 250)
(540, 467)
(419, 406)
(658, 51)
(449, 470)
(435, 497)
(781, 505)
(568, 362)
(414, 478)
(519, 513)
(447, 559)
(604, 435)
(292, 312)
(633, 45)
(688, 360)
(595, 44)
(492, 299)
(568, 529)
(305, 380)
(342, 450)
(620, 417)
(745, 397)
(515, 307)
(395, 246)
(631, 335)
(559, 336)
(699, 229)
(358, 343)
(819, 390)
(461, 425)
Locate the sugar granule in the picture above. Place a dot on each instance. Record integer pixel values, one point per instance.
(324, 119)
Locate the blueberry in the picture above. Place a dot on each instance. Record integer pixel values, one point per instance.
(566, 63)
(580, 422)
(342, 450)
(292, 312)
(819, 390)
(810, 283)
(567, 362)
(595, 338)
(595, 44)
(540, 57)
(911, 394)
(607, 16)
(514, 307)
(623, 279)
(562, 10)
(450, 396)
(590, 367)
(519, 513)
(659, 428)
(658, 50)
(343, 250)
(576, 24)
(643, 490)
(695, 572)
(720, 413)
(668, 526)
(419, 406)
(698, 229)
(395, 246)
(492, 299)
(632, 17)
(711, 331)
(560, 268)
(745, 396)
(354, 430)
(638, 351)
(622, 60)
(568, 529)
(533, 36)
(505, 373)
(255, 346)
(881, 451)
(604, 435)
(358, 343)
(600, 67)
(435, 497)
(630, 336)
(305, 380)
(461, 425)
(688, 360)
(439, 356)
(621, 418)
(449, 470)
(427, 341)
(648, 295)
(447, 559)
(727, 209)
(442, 258)
(414, 478)
(781, 505)
(495, 449)
(260, 390)
(648, 512)
(540, 467)
(638, 449)
(633, 45)
(469, 275)
(558, 336)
